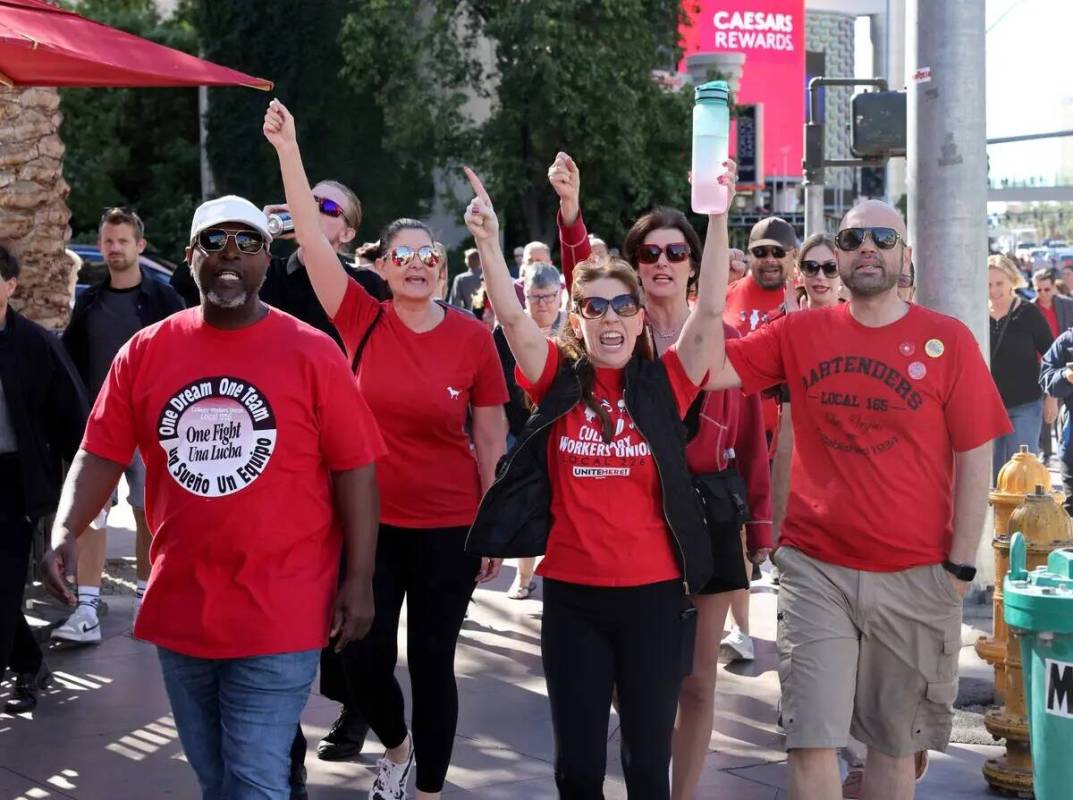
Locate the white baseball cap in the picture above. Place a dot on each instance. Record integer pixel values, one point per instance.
(229, 208)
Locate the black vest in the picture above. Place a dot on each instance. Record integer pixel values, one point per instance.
(515, 515)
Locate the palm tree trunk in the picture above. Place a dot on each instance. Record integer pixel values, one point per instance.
(33, 207)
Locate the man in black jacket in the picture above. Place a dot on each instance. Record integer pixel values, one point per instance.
(105, 316)
(287, 285)
(42, 415)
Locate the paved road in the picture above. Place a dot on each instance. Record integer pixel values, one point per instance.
(105, 731)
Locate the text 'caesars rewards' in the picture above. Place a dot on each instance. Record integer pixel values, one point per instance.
(753, 30)
(219, 434)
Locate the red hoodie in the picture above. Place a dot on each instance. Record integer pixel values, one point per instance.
(731, 423)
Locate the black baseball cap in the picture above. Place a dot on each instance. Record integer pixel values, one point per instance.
(774, 232)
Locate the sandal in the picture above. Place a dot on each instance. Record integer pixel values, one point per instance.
(520, 592)
(851, 786)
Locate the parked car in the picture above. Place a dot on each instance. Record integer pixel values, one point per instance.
(94, 269)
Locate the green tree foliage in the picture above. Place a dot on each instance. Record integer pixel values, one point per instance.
(135, 147)
(340, 128)
(574, 75)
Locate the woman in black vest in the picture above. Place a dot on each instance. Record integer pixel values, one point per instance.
(599, 484)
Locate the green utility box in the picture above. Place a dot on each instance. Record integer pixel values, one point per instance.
(1039, 607)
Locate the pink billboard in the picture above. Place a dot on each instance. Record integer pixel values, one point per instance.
(771, 35)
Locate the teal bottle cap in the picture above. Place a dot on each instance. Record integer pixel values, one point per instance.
(1040, 600)
(712, 92)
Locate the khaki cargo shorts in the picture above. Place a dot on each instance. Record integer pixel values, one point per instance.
(874, 654)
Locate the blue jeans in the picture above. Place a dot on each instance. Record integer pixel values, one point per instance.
(1026, 420)
(236, 719)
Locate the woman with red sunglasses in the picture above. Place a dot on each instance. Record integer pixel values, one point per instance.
(726, 438)
(424, 368)
(599, 484)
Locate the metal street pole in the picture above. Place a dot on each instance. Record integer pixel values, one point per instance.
(947, 157)
(946, 169)
(814, 222)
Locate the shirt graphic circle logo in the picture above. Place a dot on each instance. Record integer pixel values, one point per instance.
(917, 370)
(907, 349)
(218, 435)
(934, 348)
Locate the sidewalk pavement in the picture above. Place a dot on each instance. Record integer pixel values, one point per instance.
(105, 731)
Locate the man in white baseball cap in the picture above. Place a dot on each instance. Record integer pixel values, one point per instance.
(259, 455)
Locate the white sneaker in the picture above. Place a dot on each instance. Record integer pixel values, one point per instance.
(737, 645)
(391, 778)
(81, 627)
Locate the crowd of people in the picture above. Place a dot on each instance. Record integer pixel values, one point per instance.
(312, 441)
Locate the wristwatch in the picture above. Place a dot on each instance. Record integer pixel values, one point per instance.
(963, 572)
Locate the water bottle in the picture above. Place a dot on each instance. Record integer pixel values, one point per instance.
(280, 223)
(711, 138)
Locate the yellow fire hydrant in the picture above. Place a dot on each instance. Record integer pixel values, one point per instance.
(1019, 477)
(1045, 526)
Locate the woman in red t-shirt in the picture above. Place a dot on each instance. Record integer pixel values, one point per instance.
(728, 432)
(616, 612)
(431, 375)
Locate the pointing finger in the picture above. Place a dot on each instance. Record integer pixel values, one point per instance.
(477, 186)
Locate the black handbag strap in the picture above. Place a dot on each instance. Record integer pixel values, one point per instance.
(356, 361)
(1002, 328)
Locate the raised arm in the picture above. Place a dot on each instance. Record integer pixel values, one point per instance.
(528, 344)
(329, 282)
(565, 179)
(701, 343)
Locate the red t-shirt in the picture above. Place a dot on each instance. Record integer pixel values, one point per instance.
(749, 305)
(878, 416)
(607, 521)
(420, 387)
(240, 431)
(1051, 315)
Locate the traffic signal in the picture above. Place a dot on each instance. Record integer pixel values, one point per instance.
(878, 125)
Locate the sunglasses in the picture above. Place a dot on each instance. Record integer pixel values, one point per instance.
(650, 253)
(542, 299)
(402, 255)
(330, 208)
(852, 238)
(107, 211)
(625, 305)
(812, 268)
(763, 252)
(213, 240)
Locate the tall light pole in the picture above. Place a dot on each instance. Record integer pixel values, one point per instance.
(947, 157)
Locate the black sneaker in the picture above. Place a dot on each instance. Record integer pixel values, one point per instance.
(27, 685)
(346, 737)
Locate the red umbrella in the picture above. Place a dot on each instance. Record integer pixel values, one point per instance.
(42, 45)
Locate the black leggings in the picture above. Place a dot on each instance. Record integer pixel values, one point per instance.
(18, 648)
(430, 569)
(638, 639)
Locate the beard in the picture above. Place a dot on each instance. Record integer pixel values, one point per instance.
(233, 301)
(870, 285)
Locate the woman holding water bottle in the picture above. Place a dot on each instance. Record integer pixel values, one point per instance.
(725, 436)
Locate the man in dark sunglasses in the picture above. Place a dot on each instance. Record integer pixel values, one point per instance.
(259, 454)
(287, 285)
(894, 412)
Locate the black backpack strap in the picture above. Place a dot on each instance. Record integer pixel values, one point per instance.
(365, 340)
(692, 417)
